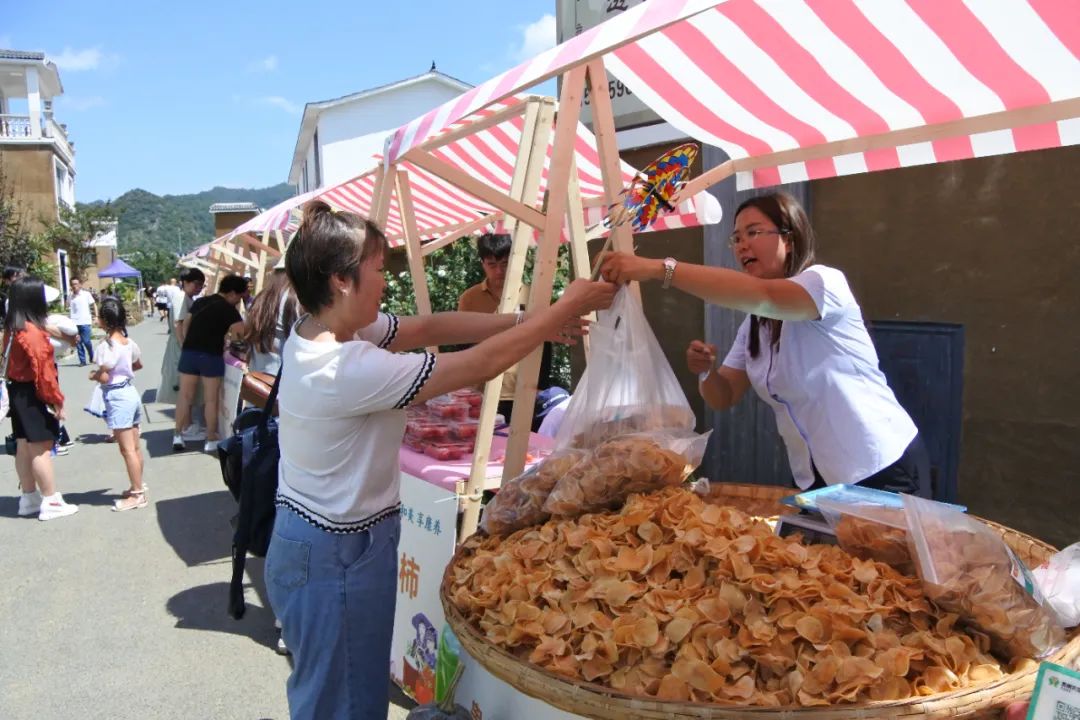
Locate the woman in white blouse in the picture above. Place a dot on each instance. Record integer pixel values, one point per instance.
(332, 563)
(803, 347)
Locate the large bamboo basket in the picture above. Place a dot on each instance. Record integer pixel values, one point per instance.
(604, 703)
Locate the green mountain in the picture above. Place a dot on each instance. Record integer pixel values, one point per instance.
(179, 223)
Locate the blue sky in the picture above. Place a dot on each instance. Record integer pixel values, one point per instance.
(180, 97)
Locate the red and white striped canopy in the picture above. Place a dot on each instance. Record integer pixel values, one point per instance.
(276, 218)
(757, 77)
(489, 154)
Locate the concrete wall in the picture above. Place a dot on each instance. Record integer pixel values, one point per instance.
(29, 175)
(225, 222)
(992, 244)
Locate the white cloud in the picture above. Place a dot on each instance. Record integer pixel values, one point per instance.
(536, 37)
(78, 104)
(76, 60)
(281, 103)
(266, 64)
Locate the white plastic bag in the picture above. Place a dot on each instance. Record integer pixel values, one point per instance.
(628, 387)
(1059, 581)
(628, 428)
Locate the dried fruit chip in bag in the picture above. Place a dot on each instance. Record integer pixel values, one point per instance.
(968, 569)
(870, 531)
(628, 386)
(520, 502)
(623, 466)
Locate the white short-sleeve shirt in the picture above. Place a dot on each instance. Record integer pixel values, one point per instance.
(119, 359)
(79, 307)
(341, 425)
(833, 407)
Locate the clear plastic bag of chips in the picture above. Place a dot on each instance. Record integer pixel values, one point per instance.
(967, 568)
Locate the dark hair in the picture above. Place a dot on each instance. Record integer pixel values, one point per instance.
(113, 317)
(232, 284)
(262, 317)
(26, 304)
(192, 275)
(11, 271)
(329, 243)
(790, 219)
(490, 245)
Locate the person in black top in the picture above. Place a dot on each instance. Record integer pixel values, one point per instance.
(210, 321)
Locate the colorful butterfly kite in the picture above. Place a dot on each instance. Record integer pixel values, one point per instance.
(652, 189)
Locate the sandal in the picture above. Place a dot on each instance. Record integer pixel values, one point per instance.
(135, 499)
(127, 493)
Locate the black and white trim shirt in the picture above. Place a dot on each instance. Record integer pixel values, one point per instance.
(342, 424)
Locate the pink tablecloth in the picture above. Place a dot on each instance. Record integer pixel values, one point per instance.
(446, 474)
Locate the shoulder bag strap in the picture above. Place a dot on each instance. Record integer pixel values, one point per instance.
(7, 355)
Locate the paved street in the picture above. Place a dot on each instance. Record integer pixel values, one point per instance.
(122, 615)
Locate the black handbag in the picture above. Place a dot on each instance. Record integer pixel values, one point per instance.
(249, 466)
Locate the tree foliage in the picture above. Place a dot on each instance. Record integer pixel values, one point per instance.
(455, 268)
(177, 224)
(156, 266)
(74, 231)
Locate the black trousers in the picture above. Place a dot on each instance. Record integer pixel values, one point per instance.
(909, 474)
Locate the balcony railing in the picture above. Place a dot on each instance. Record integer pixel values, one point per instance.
(56, 131)
(15, 126)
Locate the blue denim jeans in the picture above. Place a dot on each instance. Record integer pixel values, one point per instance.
(83, 345)
(334, 595)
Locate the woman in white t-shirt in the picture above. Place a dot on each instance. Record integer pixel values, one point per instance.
(804, 348)
(118, 357)
(332, 564)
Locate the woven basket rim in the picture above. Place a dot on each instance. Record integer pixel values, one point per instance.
(562, 689)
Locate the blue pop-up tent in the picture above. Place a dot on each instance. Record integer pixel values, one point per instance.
(120, 269)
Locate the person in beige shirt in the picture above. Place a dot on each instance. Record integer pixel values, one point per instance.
(494, 252)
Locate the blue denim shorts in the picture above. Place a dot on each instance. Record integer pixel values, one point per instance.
(334, 595)
(123, 406)
(203, 364)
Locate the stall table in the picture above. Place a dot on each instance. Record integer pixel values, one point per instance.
(430, 510)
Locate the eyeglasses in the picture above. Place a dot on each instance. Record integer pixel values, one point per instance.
(749, 235)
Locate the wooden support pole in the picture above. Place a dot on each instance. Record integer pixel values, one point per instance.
(579, 242)
(608, 148)
(258, 245)
(547, 255)
(476, 188)
(462, 230)
(1004, 120)
(381, 195)
(525, 184)
(412, 245)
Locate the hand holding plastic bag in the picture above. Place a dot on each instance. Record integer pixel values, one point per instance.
(628, 387)
(628, 428)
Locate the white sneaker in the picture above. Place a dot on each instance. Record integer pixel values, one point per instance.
(210, 446)
(178, 443)
(29, 504)
(54, 507)
(194, 433)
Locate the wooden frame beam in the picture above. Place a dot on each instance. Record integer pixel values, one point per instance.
(229, 252)
(1005, 120)
(515, 208)
(546, 262)
(462, 230)
(252, 243)
(525, 183)
(494, 119)
(412, 244)
(608, 148)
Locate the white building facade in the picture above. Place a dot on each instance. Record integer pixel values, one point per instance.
(338, 137)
